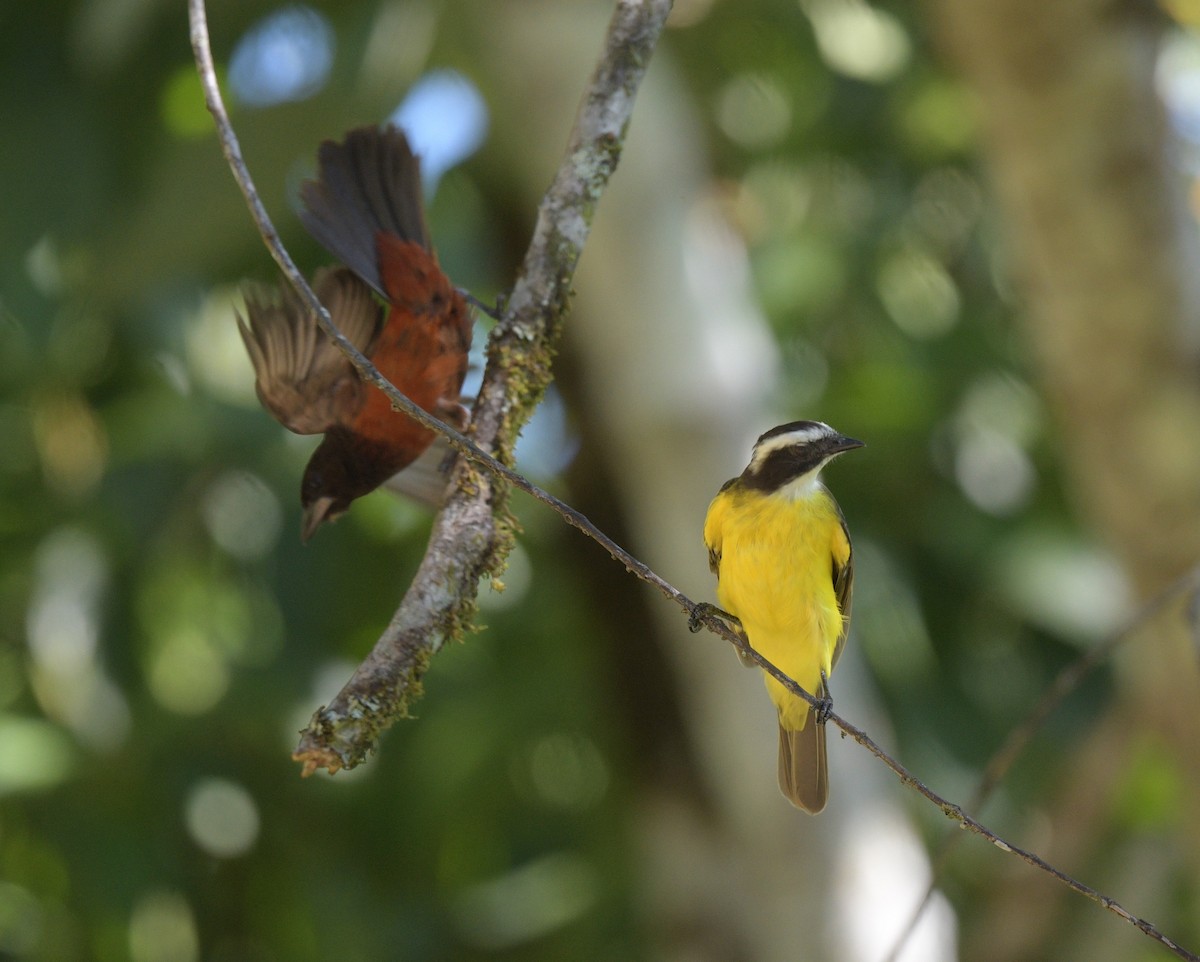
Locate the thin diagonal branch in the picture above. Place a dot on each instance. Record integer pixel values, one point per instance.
(949, 809)
(1067, 681)
(519, 352)
(230, 146)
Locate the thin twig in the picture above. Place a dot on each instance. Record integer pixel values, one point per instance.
(949, 809)
(1066, 682)
(230, 146)
(618, 79)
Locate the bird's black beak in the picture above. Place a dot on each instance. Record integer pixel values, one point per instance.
(842, 443)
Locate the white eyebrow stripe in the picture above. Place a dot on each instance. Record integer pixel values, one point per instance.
(792, 438)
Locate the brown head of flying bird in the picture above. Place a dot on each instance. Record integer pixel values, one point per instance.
(365, 208)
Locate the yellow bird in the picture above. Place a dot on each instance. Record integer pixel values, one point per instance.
(778, 544)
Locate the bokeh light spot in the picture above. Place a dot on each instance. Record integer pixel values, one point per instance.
(446, 120)
(187, 675)
(939, 118)
(753, 111)
(772, 201)
(918, 293)
(44, 266)
(191, 608)
(567, 770)
(881, 871)
(1004, 403)
(216, 356)
(527, 903)
(1070, 588)
(858, 40)
(62, 621)
(1177, 76)
(182, 104)
(285, 57)
(221, 818)
(63, 630)
(803, 275)
(994, 472)
(400, 38)
(162, 928)
(33, 754)
(547, 445)
(739, 354)
(1151, 796)
(242, 515)
(998, 418)
(71, 442)
(947, 205)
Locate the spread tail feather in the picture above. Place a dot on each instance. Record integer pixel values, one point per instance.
(803, 773)
(366, 185)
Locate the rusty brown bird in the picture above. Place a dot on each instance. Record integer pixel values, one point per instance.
(365, 208)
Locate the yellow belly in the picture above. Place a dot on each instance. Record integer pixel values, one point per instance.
(776, 575)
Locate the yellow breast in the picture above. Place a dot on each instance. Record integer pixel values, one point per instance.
(777, 556)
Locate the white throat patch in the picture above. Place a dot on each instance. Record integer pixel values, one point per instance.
(803, 487)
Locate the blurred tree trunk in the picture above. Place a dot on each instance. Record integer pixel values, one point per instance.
(651, 410)
(1076, 141)
(670, 365)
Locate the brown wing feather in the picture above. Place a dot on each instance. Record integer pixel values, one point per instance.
(300, 375)
(843, 589)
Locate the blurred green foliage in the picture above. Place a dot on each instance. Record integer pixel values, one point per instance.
(162, 637)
